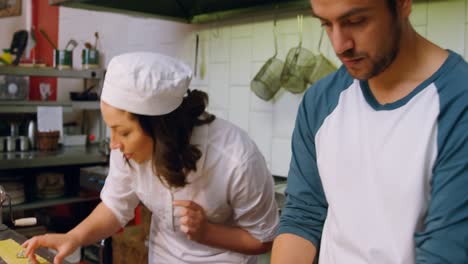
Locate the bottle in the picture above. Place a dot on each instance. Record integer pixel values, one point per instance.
(32, 134)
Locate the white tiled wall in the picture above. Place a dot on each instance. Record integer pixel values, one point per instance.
(231, 52)
(247, 44)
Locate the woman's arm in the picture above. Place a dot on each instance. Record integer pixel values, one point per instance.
(101, 223)
(193, 223)
(235, 239)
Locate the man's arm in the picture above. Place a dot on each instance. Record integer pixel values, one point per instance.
(444, 236)
(289, 248)
(304, 214)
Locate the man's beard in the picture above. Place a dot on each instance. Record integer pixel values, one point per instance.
(381, 61)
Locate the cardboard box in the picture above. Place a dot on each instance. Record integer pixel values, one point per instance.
(129, 246)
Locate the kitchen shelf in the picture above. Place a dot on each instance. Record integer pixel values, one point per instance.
(51, 72)
(14, 107)
(51, 202)
(65, 156)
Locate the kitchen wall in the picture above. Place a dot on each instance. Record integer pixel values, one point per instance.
(9, 25)
(231, 52)
(234, 51)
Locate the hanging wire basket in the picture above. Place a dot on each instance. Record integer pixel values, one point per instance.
(266, 82)
(322, 66)
(298, 66)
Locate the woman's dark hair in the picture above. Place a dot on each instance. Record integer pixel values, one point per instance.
(173, 155)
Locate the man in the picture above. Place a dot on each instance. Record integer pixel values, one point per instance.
(379, 172)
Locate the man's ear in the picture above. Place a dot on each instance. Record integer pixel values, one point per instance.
(404, 7)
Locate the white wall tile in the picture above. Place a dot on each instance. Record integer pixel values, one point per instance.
(239, 106)
(284, 113)
(287, 23)
(242, 28)
(263, 46)
(466, 11)
(445, 24)
(219, 85)
(418, 15)
(311, 35)
(280, 156)
(219, 112)
(220, 45)
(422, 30)
(241, 55)
(261, 131)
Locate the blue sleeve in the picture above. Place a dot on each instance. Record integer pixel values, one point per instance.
(306, 207)
(444, 238)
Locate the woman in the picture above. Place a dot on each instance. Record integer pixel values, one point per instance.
(206, 183)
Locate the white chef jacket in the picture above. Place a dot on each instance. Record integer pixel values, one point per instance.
(232, 184)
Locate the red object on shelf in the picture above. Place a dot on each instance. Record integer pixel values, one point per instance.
(46, 17)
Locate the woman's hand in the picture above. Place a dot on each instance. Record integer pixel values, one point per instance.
(192, 219)
(64, 244)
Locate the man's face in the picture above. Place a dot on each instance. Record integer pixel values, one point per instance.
(364, 33)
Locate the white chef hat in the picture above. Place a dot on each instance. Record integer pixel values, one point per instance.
(145, 83)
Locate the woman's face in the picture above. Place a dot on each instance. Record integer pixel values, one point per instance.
(127, 134)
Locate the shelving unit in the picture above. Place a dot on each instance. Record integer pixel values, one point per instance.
(25, 107)
(65, 156)
(53, 202)
(52, 72)
(66, 160)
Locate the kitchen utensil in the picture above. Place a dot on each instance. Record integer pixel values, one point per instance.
(10, 144)
(14, 88)
(18, 45)
(84, 96)
(24, 143)
(202, 63)
(322, 66)
(6, 57)
(63, 59)
(51, 43)
(88, 45)
(90, 58)
(266, 82)
(96, 35)
(195, 66)
(298, 65)
(14, 129)
(71, 43)
(32, 133)
(2, 144)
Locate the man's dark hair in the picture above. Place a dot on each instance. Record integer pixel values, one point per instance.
(392, 5)
(173, 155)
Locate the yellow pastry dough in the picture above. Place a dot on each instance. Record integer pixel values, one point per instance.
(9, 250)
